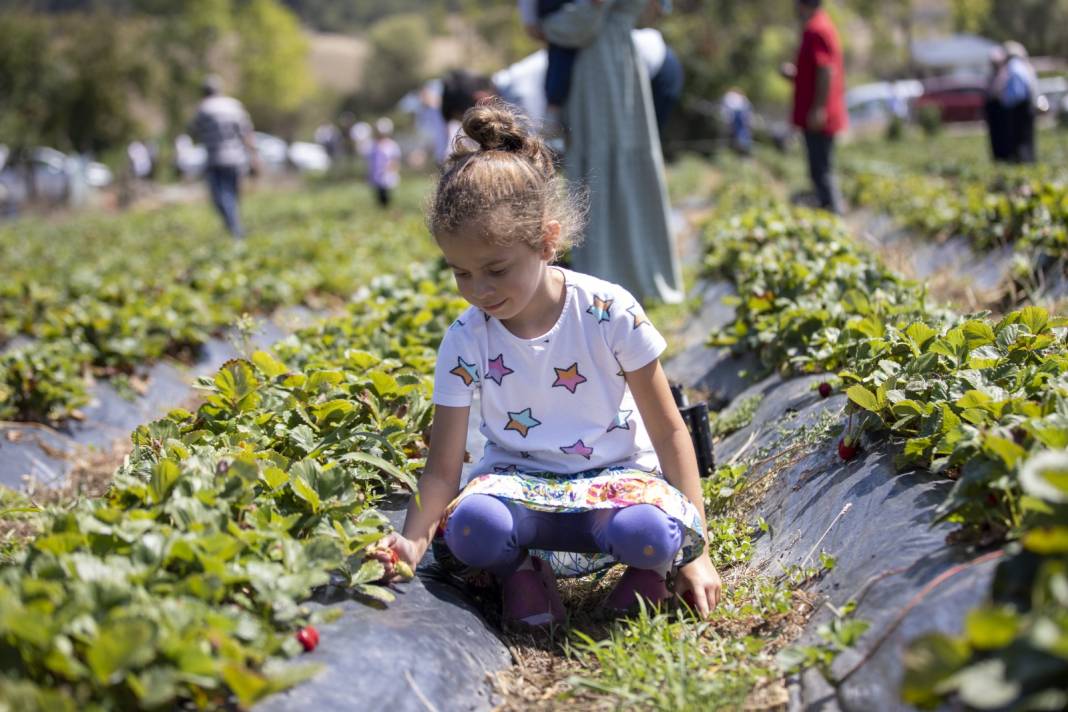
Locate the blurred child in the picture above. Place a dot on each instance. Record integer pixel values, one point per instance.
(383, 162)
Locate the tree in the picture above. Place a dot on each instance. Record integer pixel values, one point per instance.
(272, 57)
(397, 59)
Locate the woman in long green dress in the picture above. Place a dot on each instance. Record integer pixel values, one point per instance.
(613, 149)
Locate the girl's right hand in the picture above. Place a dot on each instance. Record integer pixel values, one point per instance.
(406, 551)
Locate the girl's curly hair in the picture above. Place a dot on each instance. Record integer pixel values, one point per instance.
(501, 180)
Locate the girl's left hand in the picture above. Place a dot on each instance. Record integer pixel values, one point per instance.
(700, 579)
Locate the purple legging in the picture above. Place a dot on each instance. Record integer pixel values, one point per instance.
(494, 534)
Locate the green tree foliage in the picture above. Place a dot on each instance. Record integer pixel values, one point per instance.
(1041, 25)
(183, 38)
(68, 82)
(27, 79)
(273, 59)
(724, 43)
(397, 59)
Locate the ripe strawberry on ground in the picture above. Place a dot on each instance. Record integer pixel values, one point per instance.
(308, 637)
(848, 448)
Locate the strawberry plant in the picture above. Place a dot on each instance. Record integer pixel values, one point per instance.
(108, 295)
(977, 400)
(182, 586)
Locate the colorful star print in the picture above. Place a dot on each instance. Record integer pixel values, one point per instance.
(579, 448)
(524, 454)
(496, 371)
(502, 469)
(621, 422)
(522, 422)
(569, 377)
(456, 324)
(467, 372)
(639, 316)
(601, 309)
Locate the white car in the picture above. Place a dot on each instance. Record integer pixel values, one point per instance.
(308, 157)
(874, 105)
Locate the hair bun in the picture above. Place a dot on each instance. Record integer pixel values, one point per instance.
(495, 126)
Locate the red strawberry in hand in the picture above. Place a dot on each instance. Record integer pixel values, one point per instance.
(391, 561)
(848, 449)
(308, 637)
(825, 390)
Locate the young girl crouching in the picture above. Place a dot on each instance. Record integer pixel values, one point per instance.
(587, 460)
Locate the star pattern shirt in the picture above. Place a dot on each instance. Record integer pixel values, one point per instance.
(559, 402)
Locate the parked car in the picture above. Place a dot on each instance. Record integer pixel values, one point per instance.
(272, 151)
(874, 105)
(957, 98)
(55, 177)
(276, 156)
(308, 157)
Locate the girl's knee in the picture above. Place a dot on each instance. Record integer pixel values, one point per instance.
(643, 536)
(480, 531)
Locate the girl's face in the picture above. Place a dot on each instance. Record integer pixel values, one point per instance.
(502, 280)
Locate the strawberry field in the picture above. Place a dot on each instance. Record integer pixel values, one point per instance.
(890, 510)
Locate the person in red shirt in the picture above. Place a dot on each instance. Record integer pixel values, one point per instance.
(819, 97)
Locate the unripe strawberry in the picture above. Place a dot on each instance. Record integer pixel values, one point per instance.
(308, 637)
(847, 451)
(825, 390)
(402, 569)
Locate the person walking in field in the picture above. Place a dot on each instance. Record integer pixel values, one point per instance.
(224, 127)
(383, 162)
(819, 98)
(588, 462)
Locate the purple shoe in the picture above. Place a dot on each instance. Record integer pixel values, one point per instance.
(531, 598)
(637, 582)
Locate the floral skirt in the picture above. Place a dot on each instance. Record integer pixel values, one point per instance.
(609, 488)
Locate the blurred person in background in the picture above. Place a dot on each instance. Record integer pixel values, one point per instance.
(736, 112)
(224, 127)
(383, 162)
(614, 150)
(1017, 89)
(993, 110)
(819, 97)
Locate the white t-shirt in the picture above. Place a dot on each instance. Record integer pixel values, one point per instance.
(559, 402)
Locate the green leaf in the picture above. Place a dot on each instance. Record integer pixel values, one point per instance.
(247, 684)
(385, 385)
(919, 333)
(1034, 318)
(120, 646)
(274, 477)
(863, 397)
(1047, 541)
(989, 628)
(930, 660)
(269, 365)
(237, 383)
(1004, 449)
(977, 333)
(372, 570)
(306, 492)
(376, 593)
(384, 465)
(164, 475)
